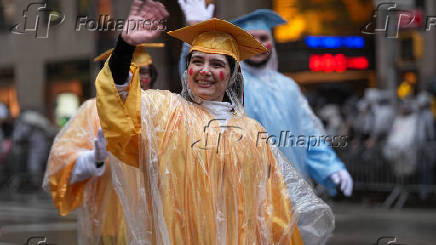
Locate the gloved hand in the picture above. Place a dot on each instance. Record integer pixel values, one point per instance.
(343, 178)
(90, 163)
(196, 10)
(100, 152)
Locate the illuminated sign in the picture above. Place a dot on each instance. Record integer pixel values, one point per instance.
(335, 42)
(321, 18)
(337, 62)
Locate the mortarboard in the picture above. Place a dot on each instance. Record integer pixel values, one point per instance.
(260, 19)
(219, 37)
(140, 56)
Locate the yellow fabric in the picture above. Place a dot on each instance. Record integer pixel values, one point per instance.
(100, 216)
(219, 189)
(216, 43)
(433, 106)
(140, 56)
(404, 90)
(220, 37)
(124, 119)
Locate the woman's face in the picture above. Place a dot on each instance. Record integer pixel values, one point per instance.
(145, 77)
(208, 75)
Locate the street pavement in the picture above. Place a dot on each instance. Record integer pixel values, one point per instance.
(23, 216)
(359, 224)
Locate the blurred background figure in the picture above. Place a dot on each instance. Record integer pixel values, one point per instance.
(425, 142)
(401, 148)
(79, 175)
(384, 113)
(5, 142)
(407, 86)
(330, 115)
(32, 137)
(377, 115)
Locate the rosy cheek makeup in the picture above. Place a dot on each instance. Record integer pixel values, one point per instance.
(221, 75)
(190, 72)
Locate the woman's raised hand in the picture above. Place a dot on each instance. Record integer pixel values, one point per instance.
(145, 22)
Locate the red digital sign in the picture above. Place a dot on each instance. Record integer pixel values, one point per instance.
(337, 62)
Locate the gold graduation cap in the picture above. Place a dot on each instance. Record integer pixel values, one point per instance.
(140, 56)
(220, 37)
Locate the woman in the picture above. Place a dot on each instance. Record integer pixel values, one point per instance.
(204, 177)
(77, 176)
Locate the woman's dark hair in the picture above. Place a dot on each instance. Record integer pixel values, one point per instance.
(153, 75)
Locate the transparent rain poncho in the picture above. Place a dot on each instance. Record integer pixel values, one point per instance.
(278, 104)
(100, 219)
(316, 220)
(200, 182)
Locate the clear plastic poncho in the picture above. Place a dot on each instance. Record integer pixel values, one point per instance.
(100, 217)
(199, 182)
(278, 104)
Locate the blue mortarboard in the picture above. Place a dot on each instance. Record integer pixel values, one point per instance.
(260, 19)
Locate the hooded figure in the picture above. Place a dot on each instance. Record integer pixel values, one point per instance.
(425, 141)
(79, 176)
(202, 178)
(31, 137)
(278, 104)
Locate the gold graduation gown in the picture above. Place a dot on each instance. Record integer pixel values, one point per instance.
(100, 216)
(200, 183)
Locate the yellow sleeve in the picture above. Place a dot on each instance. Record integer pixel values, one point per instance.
(282, 214)
(120, 120)
(78, 135)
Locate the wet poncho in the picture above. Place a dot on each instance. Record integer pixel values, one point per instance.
(261, 101)
(100, 216)
(200, 182)
(277, 103)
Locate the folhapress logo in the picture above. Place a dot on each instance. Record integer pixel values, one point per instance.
(38, 18)
(392, 19)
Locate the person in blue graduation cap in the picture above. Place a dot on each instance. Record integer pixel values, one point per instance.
(277, 103)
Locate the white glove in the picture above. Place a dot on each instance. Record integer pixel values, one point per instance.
(100, 147)
(343, 178)
(196, 10)
(85, 167)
